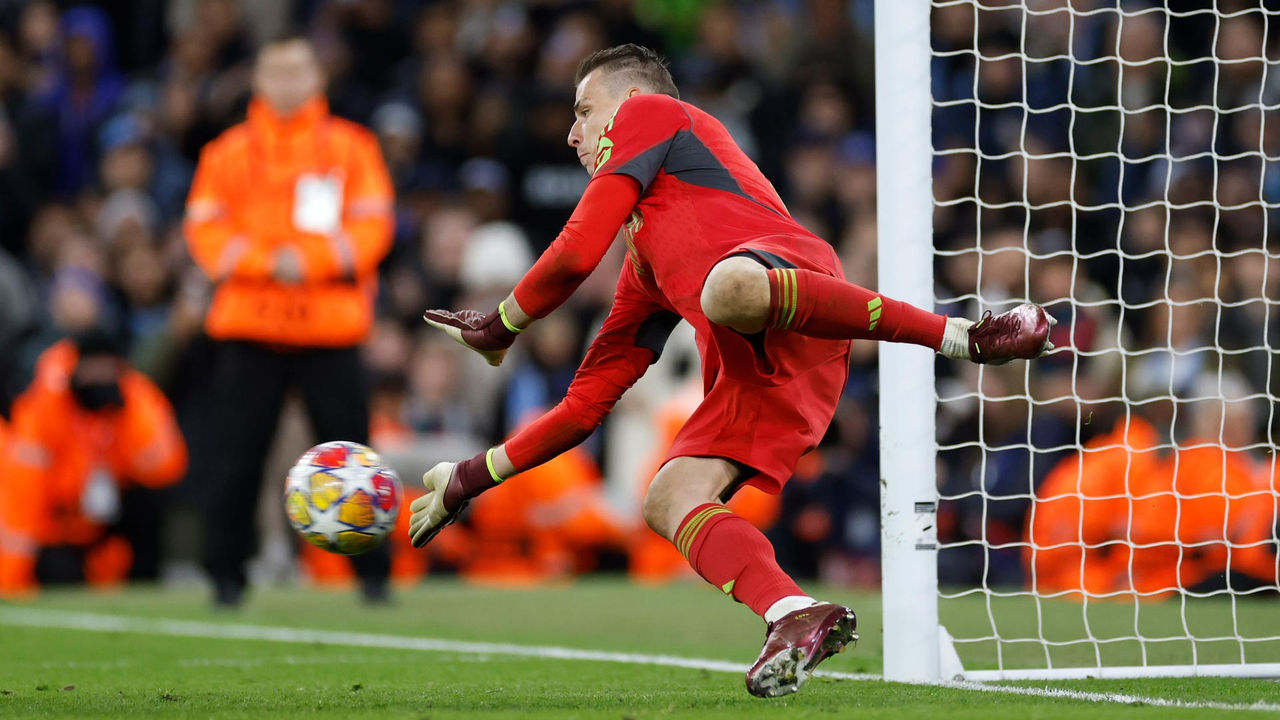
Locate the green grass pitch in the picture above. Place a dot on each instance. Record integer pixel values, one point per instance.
(147, 671)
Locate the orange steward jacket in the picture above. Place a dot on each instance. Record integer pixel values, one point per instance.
(311, 183)
(54, 447)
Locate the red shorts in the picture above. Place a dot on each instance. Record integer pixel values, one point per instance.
(768, 398)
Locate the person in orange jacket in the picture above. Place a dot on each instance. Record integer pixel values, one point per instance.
(87, 428)
(289, 215)
(1217, 520)
(1221, 515)
(1080, 519)
(1134, 513)
(1260, 558)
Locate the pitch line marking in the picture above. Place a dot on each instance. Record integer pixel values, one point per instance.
(93, 622)
(1119, 698)
(236, 662)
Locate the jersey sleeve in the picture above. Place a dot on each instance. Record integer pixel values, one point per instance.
(578, 249)
(630, 340)
(637, 139)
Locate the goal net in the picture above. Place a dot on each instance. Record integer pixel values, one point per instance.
(1110, 510)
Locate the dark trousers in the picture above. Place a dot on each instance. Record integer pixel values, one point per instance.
(249, 386)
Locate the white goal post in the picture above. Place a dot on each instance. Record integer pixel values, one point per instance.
(986, 627)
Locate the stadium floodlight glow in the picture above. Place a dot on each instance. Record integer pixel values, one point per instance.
(1089, 138)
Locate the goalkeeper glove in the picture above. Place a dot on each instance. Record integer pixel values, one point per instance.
(490, 335)
(450, 486)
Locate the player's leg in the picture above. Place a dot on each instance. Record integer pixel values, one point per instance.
(683, 505)
(748, 296)
(248, 390)
(749, 293)
(335, 390)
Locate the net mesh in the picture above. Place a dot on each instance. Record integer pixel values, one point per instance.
(1115, 503)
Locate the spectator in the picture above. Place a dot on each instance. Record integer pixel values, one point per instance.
(17, 320)
(387, 355)
(84, 93)
(1133, 513)
(18, 186)
(1079, 527)
(436, 401)
(87, 431)
(289, 216)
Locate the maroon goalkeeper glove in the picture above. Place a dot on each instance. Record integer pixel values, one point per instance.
(490, 335)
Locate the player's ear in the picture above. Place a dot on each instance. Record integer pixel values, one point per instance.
(632, 92)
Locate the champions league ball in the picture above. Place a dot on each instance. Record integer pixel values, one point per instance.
(341, 498)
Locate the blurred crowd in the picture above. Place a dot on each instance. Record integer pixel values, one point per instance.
(104, 109)
(1116, 167)
(1116, 162)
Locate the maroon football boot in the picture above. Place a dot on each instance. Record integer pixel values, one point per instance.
(796, 643)
(1022, 332)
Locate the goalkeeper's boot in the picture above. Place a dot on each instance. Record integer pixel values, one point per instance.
(796, 643)
(443, 502)
(1021, 333)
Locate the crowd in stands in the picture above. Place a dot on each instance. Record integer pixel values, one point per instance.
(104, 109)
(1115, 162)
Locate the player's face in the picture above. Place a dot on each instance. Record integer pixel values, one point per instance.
(593, 107)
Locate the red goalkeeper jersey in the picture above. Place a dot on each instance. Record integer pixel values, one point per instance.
(685, 196)
(699, 196)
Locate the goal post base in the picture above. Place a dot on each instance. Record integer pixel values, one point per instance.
(949, 665)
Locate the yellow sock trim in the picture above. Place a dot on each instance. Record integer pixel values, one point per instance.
(685, 538)
(795, 294)
(684, 535)
(502, 313)
(784, 295)
(488, 462)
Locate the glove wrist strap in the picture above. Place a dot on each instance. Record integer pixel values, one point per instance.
(494, 333)
(470, 478)
(502, 313)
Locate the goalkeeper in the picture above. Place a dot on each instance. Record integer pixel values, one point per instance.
(710, 242)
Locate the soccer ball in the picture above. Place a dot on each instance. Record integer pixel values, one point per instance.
(341, 498)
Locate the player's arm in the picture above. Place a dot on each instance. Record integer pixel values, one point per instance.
(629, 342)
(638, 137)
(577, 251)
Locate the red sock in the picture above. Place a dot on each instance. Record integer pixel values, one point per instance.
(811, 303)
(730, 553)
